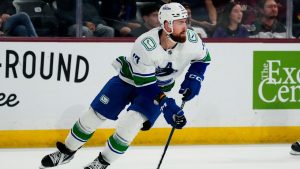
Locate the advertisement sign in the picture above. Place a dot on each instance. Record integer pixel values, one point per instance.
(48, 85)
(250, 90)
(276, 80)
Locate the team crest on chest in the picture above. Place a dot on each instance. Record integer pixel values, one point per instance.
(167, 70)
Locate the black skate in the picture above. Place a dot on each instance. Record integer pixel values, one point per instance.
(62, 156)
(295, 148)
(98, 163)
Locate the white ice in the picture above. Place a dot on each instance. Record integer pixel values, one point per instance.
(266, 156)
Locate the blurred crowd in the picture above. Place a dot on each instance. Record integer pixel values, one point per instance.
(131, 18)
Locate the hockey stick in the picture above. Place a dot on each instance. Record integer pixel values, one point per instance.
(168, 141)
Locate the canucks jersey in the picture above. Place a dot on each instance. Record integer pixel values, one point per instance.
(149, 63)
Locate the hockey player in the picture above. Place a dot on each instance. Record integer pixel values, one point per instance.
(157, 58)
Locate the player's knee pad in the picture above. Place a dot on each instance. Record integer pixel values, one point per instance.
(84, 128)
(129, 125)
(90, 120)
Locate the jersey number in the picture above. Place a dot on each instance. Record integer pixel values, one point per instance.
(136, 58)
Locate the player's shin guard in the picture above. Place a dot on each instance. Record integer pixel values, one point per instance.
(115, 147)
(62, 156)
(295, 148)
(77, 137)
(127, 128)
(83, 129)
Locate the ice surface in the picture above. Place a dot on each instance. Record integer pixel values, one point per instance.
(268, 156)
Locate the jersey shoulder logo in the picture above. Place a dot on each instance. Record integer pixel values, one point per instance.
(192, 36)
(149, 43)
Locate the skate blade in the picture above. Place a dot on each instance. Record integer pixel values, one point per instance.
(292, 152)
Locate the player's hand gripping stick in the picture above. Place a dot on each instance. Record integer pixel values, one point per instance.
(171, 133)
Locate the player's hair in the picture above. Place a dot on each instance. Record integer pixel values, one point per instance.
(261, 3)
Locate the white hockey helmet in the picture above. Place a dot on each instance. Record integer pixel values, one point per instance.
(170, 12)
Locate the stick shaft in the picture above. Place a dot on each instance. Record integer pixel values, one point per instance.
(168, 141)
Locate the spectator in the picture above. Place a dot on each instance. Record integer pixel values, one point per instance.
(66, 15)
(229, 25)
(200, 31)
(92, 20)
(220, 4)
(41, 14)
(12, 24)
(150, 17)
(296, 18)
(120, 14)
(93, 25)
(250, 13)
(267, 25)
(204, 14)
(282, 8)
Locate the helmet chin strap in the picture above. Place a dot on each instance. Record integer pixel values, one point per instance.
(170, 26)
(169, 34)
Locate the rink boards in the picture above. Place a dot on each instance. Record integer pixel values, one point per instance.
(250, 94)
(158, 136)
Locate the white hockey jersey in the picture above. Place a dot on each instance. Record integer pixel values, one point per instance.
(149, 63)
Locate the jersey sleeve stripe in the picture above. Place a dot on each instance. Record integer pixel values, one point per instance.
(139, 79)
(206, 59)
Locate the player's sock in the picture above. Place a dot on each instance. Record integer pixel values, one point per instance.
(98, 163)
(78, 136)
(115, 148)
(295, 148)
(62, 156)
(83, 129)
(117, 144)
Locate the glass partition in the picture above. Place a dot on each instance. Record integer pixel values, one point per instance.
(130, 18)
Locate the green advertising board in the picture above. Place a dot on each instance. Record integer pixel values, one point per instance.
(276, 80)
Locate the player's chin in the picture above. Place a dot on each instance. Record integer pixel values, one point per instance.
(182, 38)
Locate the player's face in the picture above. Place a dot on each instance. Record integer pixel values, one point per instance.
(179, 30)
